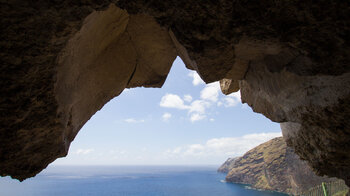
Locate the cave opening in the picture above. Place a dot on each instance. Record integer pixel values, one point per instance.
(68, 71)
(186, 122)
(184, 127)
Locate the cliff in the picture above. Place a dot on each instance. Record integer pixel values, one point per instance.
(227, 165)
(274, 166)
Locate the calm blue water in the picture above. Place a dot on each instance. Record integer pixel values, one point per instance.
(127, 180)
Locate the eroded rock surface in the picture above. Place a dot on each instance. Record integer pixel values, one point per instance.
(274, 166)
(318, 104)
(44, 109)
(62, 61)
(113, 50)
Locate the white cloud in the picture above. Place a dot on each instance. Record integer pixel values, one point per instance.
(166, 116)
(196, 109)
(223, 147)
(212, 120)
(199, 106)
(211, 92)
(172, 101)
(230, 102)
(176, 150)
(84, 151)
(209, 97)
(196, 78)
(196, 117)
(236, 95)
(194, 149)
(188, 98)
(245, 106)
(232, 99)
(132, 120)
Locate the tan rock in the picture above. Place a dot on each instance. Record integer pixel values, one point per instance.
(274, 166)
(155, 51)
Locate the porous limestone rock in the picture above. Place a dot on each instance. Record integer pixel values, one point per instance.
(62, 61)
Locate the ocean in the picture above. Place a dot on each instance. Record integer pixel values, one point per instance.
(127, 180)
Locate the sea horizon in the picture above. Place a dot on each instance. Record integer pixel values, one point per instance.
(128, 180)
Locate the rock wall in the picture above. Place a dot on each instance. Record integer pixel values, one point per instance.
(112, 50)
(68, 76)
(62, 61)
(227, 165)
(313, 109)
(274, 166)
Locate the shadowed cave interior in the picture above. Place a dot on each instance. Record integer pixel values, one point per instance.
(63, 61)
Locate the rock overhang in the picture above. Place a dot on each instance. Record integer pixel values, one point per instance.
(289, 59)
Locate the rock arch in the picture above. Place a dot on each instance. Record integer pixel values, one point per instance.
(61, 62)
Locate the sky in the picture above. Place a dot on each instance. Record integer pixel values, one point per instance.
(186, 122)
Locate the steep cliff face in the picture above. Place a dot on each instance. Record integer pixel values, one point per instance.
(274, 166)
(228, 165)
(62, 61)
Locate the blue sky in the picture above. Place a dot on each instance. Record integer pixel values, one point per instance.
(186, 122)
